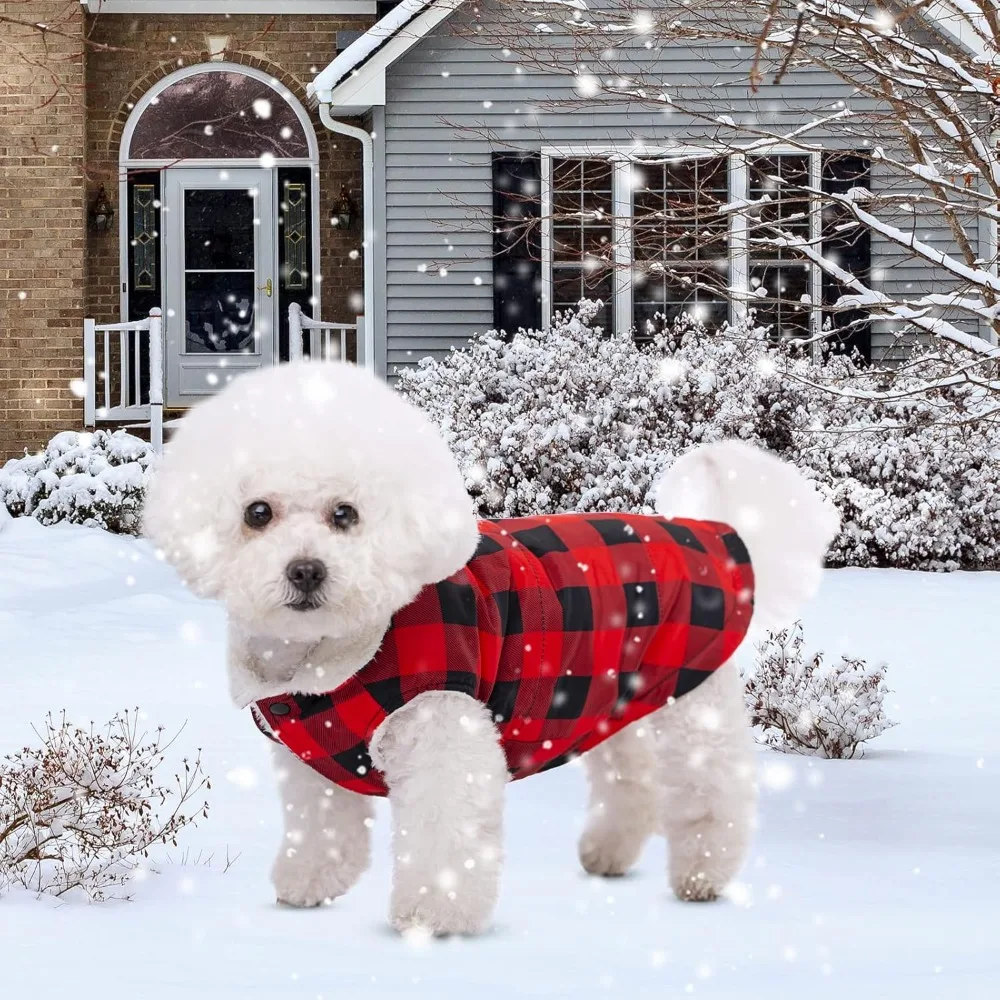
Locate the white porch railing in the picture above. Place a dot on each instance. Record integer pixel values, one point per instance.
(115, 368)
(327, 341)
(113, 373)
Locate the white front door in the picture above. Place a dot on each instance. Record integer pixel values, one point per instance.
(220, 277)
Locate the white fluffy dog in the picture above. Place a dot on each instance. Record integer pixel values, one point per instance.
(315, 502)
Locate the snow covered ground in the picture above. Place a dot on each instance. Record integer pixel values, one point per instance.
(876, 878)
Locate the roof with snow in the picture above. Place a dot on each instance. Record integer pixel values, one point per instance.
(355, 80)
(356, 77)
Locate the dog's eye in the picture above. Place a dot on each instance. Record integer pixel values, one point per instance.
(344, 516)
(258, 514)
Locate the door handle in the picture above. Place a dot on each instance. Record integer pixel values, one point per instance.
(267, 288)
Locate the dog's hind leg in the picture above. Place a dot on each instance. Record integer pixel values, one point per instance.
(624, 806)
(441, 757)
(707, 775)
(327, 839)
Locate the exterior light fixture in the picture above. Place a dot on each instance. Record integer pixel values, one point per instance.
(343, 212)
(102, 215)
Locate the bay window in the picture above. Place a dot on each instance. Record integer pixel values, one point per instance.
(698, 232)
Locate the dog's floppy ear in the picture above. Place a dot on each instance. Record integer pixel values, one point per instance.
(178, 513)
(442, 535)
(439, 526)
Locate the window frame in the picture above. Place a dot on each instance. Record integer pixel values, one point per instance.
(738, 170)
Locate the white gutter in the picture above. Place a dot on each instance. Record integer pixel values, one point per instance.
(324, 81)
(368, 246)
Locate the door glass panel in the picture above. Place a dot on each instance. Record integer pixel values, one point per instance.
(218, 230)
(219, 312)
(219, 275)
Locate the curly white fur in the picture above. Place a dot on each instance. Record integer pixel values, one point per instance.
(446, 773)
(784, 523)
(326, 844)
(686, 771)
(305, 437)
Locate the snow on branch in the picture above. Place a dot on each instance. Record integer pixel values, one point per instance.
(571, 419)
(81, 811)
(913, 88)
(805, 704)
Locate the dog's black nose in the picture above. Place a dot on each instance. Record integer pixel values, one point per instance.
(306, 575)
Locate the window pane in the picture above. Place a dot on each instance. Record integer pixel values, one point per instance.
(218, 114)
(570, 284)
(218, 230)
(218, 312)
(779, 182)
(567, 243)
(145, 238)
(778, 276)
(295, 235)
(598, 240)
(219, 273)
(778, 292)
(680, 241)
(658, 300)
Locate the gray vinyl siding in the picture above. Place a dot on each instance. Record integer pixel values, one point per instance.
(438, 141)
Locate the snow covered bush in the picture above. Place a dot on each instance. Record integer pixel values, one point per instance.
(81, 811)
(571, 419)
(93, 479)
(806, 705)
(914, 471)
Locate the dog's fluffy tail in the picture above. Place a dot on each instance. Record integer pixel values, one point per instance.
(784, 523)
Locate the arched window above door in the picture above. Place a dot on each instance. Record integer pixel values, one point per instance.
(209, 112)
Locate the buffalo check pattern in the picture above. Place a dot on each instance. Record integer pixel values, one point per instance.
(568, 627)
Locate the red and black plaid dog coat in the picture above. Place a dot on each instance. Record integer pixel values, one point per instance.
(568, 627)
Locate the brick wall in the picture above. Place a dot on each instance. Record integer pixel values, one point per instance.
(64, 98)
(42, 220)
(129, 54)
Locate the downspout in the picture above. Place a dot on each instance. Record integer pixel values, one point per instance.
(368, 244)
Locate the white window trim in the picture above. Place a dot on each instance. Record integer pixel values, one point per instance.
(816, 273)
(226, 7)
(739, 240)
(546, 209)
(739, 243)
(621, 205)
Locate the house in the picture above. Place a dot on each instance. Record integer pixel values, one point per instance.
(327, 176)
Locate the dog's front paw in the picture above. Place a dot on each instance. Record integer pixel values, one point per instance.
(444, 909)
(439, 916)
(303, 879)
